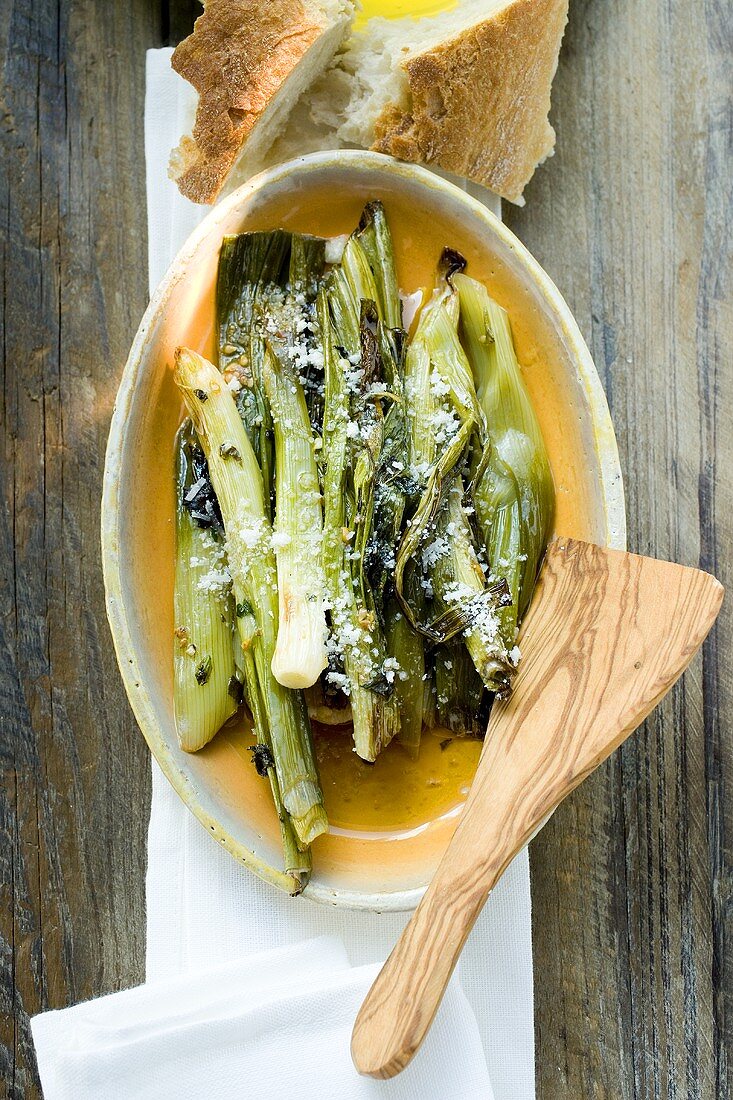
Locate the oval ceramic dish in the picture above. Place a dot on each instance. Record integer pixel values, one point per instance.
(219, 785)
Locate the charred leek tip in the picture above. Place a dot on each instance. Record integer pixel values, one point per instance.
(300, 655)
(376, 240)
(460, 698)
(406, 647)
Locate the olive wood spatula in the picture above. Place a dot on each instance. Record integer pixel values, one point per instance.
(606, 637)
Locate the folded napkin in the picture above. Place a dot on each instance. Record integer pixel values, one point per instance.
(219, 1018)
(272, 1025)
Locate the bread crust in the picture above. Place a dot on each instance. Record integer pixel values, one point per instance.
(237, 58)
(478, 103)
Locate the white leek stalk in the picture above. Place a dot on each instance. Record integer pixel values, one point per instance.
(300, 654)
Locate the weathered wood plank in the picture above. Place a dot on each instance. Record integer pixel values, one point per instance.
(178, 19)
(75, 775)
(633, 218)
(632, 878)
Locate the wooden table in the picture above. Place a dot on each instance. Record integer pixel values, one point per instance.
(633, 218)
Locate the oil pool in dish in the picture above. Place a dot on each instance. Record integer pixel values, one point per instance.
(398, 9)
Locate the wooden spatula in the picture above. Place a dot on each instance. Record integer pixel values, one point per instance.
(607, 635)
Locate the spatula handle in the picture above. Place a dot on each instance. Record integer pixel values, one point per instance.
(400, 1006)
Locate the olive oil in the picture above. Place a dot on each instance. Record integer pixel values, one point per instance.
(395, 798)
(399, 9)
(396, 794)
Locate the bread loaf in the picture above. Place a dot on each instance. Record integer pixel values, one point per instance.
(466, 91)
(250, 61)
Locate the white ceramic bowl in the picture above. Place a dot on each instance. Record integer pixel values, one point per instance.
(138, 506)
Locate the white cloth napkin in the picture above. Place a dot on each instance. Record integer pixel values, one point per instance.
(202, 905)
(274, 1025)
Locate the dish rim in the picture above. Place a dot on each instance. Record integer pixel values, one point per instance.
(604, 440)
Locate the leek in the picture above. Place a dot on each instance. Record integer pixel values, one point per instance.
(351, 447)
(466, 601)
(367, 341)
(307, 264)
(406, 646)
(266, 290)
(459, 690)
(376, 242)
(300, 655)
(249, 266)
(439, 577)
(513, 492)
(297, 858)
(393, 482)
(207, 690)
(237, 480)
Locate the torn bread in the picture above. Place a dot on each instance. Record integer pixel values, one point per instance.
(466, 91)
(249, 61)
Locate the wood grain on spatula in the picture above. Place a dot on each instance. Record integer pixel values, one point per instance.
(607, 635)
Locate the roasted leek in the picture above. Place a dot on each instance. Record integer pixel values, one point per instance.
(207, 688)
(300, 654)
(514, 494)
(237, 480)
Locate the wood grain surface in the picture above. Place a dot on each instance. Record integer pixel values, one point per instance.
(633, 218)
(607, 635)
